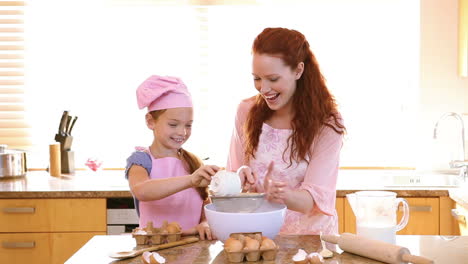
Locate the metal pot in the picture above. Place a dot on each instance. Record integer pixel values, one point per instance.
(12, 162)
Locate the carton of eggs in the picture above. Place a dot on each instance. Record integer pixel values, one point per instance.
(249, 246)
(149, 235)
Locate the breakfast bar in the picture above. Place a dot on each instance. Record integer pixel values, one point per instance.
(441, 249)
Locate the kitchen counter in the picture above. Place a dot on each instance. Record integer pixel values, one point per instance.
(111, 183)
(438, 248)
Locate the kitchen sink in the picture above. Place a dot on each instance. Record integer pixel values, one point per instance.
(421, 179)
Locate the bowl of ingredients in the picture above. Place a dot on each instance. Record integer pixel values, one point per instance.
(267, 218)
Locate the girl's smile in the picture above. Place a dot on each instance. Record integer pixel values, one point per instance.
(172, 129)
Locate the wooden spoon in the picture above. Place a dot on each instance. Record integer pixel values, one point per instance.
(134, 253)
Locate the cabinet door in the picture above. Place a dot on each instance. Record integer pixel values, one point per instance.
(424, 217)
(462, 217)
(349, 218)
(47, 248)
(52, 215)
(340, 211)
(448, 223)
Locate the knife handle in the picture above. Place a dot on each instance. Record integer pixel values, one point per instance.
(63, 120)
(67, 125)
(72, 124)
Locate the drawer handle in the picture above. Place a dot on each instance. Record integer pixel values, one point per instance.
(460, 217)
(19, 210)
(418, 208)
(19, 244)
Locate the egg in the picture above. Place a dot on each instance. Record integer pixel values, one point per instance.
(315, 258)
(241, 238)
(152, 258)
(251, 244)
(173, 228)
(232, 245)
(258, 237)
(267, 244)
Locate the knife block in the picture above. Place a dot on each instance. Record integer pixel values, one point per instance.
(67, 159)
(65, 141)
(67, 156)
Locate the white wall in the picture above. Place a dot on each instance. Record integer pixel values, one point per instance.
(442, 90)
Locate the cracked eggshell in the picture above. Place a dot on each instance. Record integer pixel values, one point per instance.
(315, 258)
(152, 258)
(300, 257)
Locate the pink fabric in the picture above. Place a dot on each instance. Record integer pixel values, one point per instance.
(318, 177)
(184, 207)
(163, 92)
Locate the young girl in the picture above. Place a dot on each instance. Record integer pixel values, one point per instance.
(168, 182)
(287, 139)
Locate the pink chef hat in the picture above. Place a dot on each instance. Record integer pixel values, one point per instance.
(163, 92)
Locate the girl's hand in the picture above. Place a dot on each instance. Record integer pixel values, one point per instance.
(202, 176)
(204, 231)
(248, 178)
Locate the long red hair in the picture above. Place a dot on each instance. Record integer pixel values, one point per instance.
(314, 106)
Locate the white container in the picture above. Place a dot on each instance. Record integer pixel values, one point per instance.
(267, 219)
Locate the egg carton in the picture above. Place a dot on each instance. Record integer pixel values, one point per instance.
(155, 235)
(251, 255)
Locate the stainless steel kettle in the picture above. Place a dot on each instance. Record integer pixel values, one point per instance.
(12, 162)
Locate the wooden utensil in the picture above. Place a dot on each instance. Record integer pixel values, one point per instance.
(134, 253)
(375, 249)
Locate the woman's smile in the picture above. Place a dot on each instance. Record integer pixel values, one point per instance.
(271, 97)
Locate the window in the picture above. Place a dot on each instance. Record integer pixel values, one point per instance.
(14, 130)
(90, 56)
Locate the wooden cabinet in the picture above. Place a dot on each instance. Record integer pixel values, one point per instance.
(463, 38)
(461, 216)
(424, 217)
(48, 230)
(349, 218)
(340, 211)
(453, 218)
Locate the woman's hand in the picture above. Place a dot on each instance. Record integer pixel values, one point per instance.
(248, 178)
(204, 231)
(202, 176)
(276, 191)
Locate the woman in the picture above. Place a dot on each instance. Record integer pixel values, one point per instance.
(287, 139)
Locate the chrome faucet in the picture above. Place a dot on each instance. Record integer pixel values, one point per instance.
(462, 164)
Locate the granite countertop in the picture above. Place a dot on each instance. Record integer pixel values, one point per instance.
(438, 248)
(112, 183)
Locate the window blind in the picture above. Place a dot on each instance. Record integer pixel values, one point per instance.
(14, 129)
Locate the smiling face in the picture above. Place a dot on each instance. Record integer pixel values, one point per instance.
(275, 81)
(171, 129)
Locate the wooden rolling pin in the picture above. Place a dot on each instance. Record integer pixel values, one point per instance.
(375, 249)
